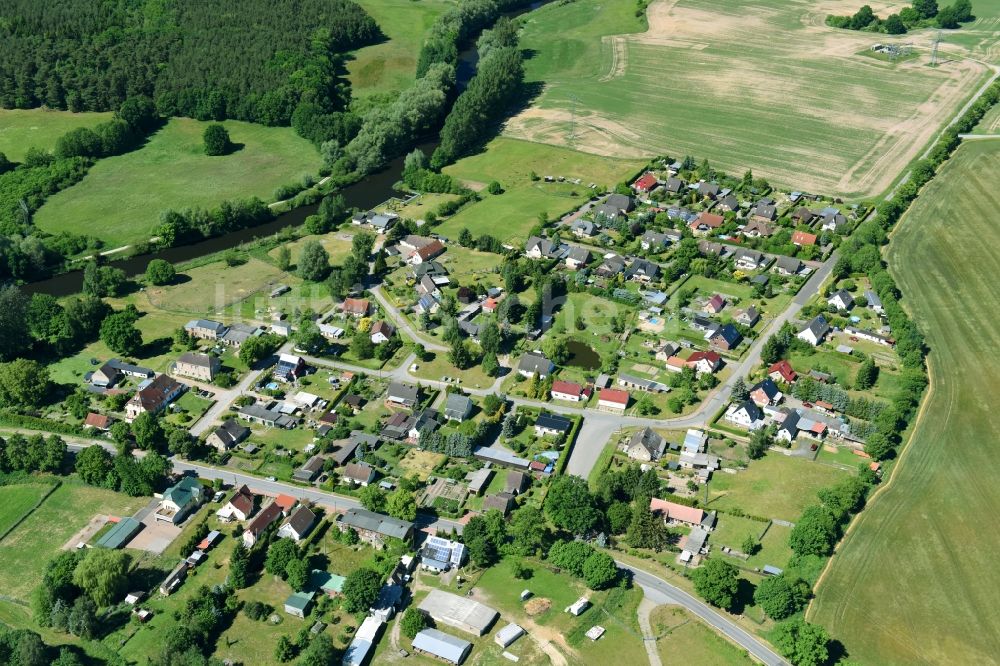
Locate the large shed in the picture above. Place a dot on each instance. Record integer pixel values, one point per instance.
(442, 645)
(459, 612)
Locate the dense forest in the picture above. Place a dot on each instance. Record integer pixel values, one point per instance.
(208, 59)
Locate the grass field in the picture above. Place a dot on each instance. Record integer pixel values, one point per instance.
(18, 500)
(392, 65)
(681, 640)
(26, 550)
(21, 129)
(121, 199)
(511, 215)
(776, 486)
(760, 85)
(915, 580)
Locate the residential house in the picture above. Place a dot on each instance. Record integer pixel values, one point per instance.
(789, 428)
(641, 383)
(205, 329)
(612, 265)
(746, 414)
(534, 363)
(787, 266)
(309, 470)
(382, 222)
(375, 528)
(153, 398)
(673, 513)
(227, 435)
(756, 228)
(115, 370)
(695, 441)
(614, 206)
(569, 391)
(870, 336)
(425, 421)
(645, 183)
(239, 507)
(642, 270)
(330, 332)
(469, 329)
(457, 407)
(298, 525)
(203, 367)
(427, 303)
(801, 238)
(707, 190)
(841, 299)
(271, 418)
(706, 222)
(402, 395)
(654, 241)
(97, 421)
(874, 302)
(289, 368)
(240, 333)
(803, 215)
(356, 307)
(748, 260)
(381, 331)
(728, 203)
(716, 304)
(440, 554)
(426, 253)
(502, 502)
(782, 372)
(815, 331)
(835, 222)
(748, 317)
(612, 400)
(577, 257)
(540, 248)
(704, 362)
(699, 461)
(674, 185)
(397, 427)
(179, 500)
(358, 474)
(666, 350)
(516, 482)
(264, 519)
(727, 337)
(764, 211)
(552, 424)
(765, 392)
(583, 228)
(645, 446)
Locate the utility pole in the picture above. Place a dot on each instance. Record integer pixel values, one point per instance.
(572, 119)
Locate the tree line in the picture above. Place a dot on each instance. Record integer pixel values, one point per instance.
(921, 14)
(196, 59)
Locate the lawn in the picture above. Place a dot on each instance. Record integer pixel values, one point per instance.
(697, 78)
(21, 129)
(420, 463)
(915, 579)
(682, 639)
(209, 289)
(511, 215)
(776, 486)
(392, 64)
(439, 366)
(17, 500)
(121, 199)
(27, 549)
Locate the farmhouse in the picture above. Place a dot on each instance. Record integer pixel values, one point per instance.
(645, 446)
(815, 331)
(373, 527)
(203, 367)
(563, 390)
(240, 333)
(227, 435)
(461, 613)
(205, 329)
(533, 363)
(272, 418)
(115, 370)
(153, 398)
(426, 253)
(612, 400)
(678, 514)
(356, 307)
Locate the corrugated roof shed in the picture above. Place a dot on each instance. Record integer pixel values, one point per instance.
(442, 645)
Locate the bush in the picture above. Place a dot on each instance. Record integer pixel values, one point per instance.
(216, 140)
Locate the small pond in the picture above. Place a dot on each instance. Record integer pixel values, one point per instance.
(582, 356)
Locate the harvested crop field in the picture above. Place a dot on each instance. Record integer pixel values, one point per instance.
(915, 580)
(765, 86)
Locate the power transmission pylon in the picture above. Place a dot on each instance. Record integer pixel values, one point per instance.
(572, 119)
(934, 50)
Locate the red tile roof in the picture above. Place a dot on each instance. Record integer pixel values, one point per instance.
(784, 369)
(570, 388)
(802, 238)
(675, 511)
(286, 502)
(645, 182)
(710, 220)
(710, 356)
(356, 306)
(615, 396)
(97, 421)
(432, 249)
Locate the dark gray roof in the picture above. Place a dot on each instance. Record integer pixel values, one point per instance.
(553, 422)
(457, 405)
(532, 363)
(580, 254)
(818, 326)
(231, 432)
(649, 440)
(364, 519)
(729, 334)
(405, 392)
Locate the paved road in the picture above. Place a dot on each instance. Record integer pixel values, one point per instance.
(401, 321)
(73, 442)
(336, 502)
(662, 592)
